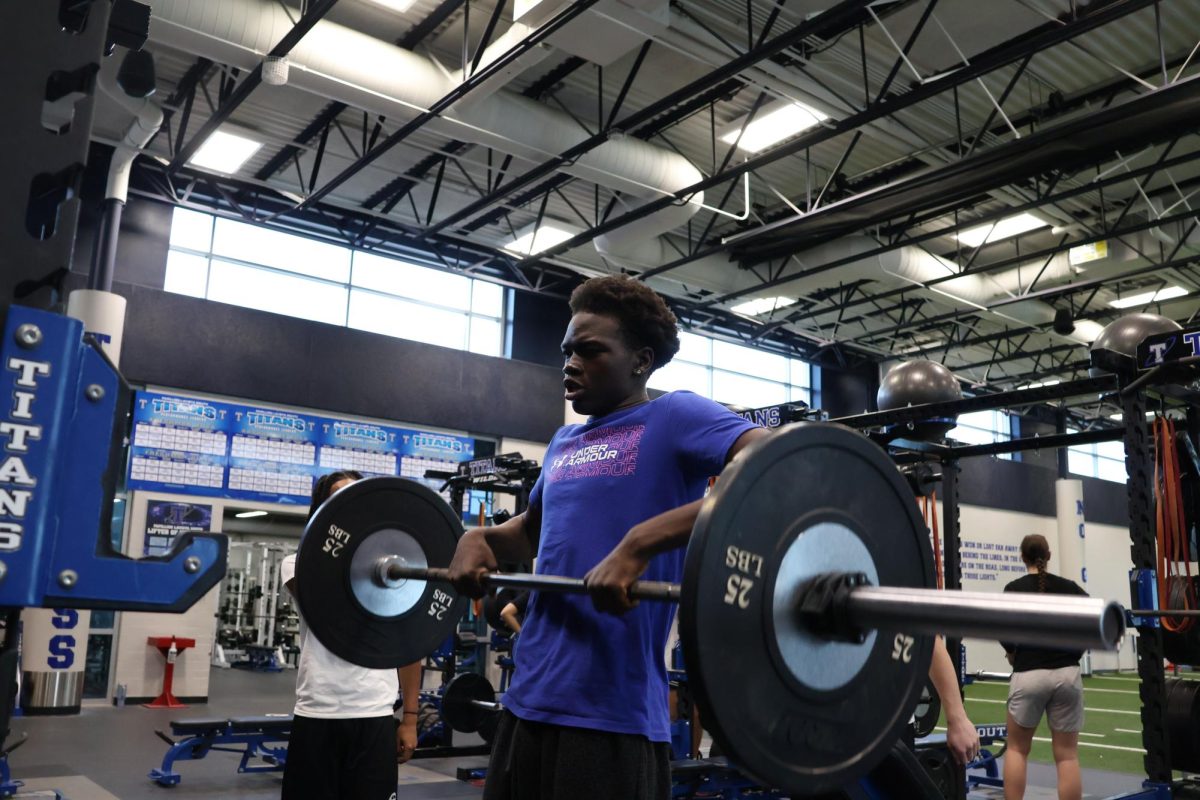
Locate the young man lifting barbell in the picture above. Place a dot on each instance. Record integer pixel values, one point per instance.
(586, 715)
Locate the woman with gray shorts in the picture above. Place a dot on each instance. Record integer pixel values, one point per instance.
(1043, 681)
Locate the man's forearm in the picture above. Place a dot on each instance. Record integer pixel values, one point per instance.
(410, 687)
(667, 531)
(509, 540)
(945, 682)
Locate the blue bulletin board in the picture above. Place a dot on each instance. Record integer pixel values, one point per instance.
(197, 446)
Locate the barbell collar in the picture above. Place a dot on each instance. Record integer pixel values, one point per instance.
(383, 572)
(1036, 620)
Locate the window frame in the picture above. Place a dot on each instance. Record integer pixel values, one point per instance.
(348, 287)
(1090, 453)
(1000, 429)
(806, 389)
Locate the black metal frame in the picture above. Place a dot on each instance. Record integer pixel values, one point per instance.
(982, 402)
(905, 452)
(1139, 464)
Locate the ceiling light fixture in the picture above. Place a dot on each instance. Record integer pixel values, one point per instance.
(249, 514)
(533, 241)
(1146, 298)
(762, 305)
(1085, 253)
(769, 127)
(225, 152)
(1002, 229)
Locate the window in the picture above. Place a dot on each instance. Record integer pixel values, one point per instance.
(734, 374)
(255, 267)
(1104, 460)
(983, 427)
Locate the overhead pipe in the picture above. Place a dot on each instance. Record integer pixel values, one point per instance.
(919, 267)
(342, 64)
(147, 119)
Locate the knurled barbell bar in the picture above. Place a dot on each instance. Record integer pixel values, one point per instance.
(842, 606)
(807, 548)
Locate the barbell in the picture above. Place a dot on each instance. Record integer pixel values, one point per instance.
(469, 705)
(807, 550)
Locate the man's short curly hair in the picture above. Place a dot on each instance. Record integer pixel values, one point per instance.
(644, 318)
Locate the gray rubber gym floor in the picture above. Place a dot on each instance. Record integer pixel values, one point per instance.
(105, 753)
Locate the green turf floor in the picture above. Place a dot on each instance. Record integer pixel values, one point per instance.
(1112, 733)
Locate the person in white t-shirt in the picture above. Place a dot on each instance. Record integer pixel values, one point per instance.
(344, 743)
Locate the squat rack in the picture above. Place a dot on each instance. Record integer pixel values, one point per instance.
(1132, 393)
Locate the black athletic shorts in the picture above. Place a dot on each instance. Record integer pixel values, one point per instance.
(538, 761)
(341, 759)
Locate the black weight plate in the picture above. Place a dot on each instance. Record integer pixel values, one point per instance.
(460, 713)
(927, 712)
(349, 613)
(487, 731)
(799, 713)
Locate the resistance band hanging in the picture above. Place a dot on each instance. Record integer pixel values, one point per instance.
(1172, 538)
(929, 511)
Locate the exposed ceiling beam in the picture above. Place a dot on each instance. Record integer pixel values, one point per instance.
(315, 13)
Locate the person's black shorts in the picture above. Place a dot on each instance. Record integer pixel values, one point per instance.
(341, 759)
(538, 761)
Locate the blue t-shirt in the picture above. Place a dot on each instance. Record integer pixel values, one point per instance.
(574, 665)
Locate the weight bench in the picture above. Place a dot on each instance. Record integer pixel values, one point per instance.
(263, 737)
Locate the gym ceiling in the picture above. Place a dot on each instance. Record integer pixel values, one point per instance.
(911, 124)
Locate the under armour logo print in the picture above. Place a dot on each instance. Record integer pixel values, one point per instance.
(606, 452)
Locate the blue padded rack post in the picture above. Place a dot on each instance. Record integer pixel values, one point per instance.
(64, 427)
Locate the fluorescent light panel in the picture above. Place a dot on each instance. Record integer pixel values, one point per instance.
(249, 514)
(1003, 229)
(1145, 298)
(762, 305)
(395, 5)
(225, 152)
(535, 241)
(1043, 383)
(769, 127)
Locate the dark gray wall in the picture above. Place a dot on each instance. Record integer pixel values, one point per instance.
(1029, 488)
(538, 326)
(202, 346)
(1028, 426)
(141, 247)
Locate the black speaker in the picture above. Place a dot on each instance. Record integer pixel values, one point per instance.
(136, 74)
(1063, 323)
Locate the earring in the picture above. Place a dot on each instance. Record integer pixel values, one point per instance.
(637, 371)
